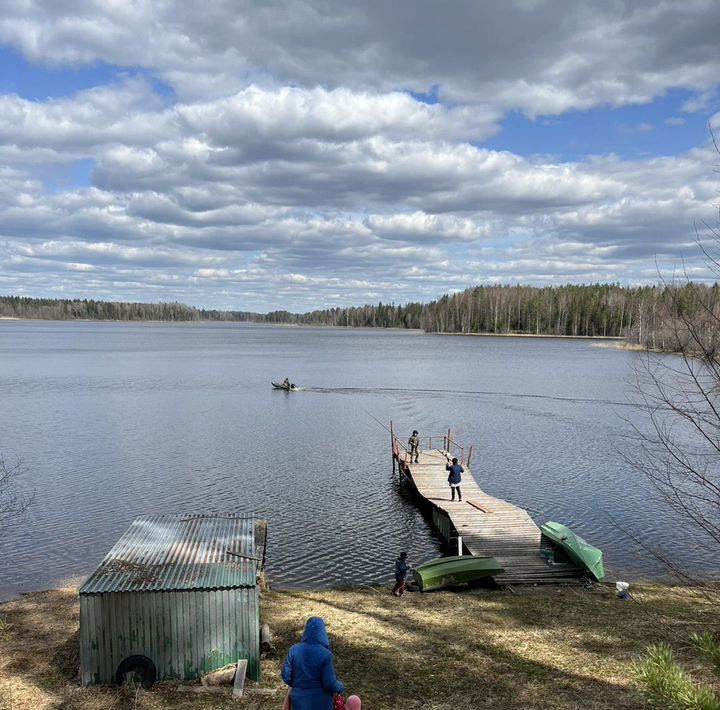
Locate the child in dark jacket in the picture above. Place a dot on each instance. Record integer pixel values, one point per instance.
(401, 570)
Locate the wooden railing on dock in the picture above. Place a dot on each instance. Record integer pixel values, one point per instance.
(401, 452)
(480, 524)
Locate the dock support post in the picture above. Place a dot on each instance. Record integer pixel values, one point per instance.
(459, 545)
(392, 444)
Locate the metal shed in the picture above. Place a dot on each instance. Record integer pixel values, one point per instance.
(178, 591)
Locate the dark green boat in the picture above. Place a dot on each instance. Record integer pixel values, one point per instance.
(451, 571)
(582, 553)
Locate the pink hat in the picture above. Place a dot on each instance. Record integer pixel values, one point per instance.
(353, 703)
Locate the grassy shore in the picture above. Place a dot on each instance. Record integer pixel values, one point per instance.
(559, 647)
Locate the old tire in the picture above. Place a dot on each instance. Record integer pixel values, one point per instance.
(138, 668)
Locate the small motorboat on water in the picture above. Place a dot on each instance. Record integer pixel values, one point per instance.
(284, 386)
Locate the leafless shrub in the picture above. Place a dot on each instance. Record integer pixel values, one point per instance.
(676, 445)
(13, 503)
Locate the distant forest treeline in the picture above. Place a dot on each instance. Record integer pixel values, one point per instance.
(644, 315)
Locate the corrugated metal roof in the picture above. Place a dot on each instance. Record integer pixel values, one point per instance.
(174, 552)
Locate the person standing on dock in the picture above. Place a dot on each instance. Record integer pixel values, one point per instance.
(414, 444)
(401, 570)
(454, 478)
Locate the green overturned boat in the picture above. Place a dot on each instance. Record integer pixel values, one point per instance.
(582, 553)
(451, 571)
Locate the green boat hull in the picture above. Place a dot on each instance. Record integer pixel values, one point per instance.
(451, 571)
(582, 553)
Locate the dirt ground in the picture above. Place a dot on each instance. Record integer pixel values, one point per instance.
(559, 647)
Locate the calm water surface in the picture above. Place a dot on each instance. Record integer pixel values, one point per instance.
(114, 420)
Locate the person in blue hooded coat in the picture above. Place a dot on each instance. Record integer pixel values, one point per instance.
(309, 671)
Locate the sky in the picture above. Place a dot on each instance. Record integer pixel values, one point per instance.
(313, 154)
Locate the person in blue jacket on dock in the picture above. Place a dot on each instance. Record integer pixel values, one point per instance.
(454, 478)
(309, 671)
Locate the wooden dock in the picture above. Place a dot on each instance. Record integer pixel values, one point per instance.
(488, 526)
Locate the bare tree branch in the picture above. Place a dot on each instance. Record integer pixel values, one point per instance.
(13, 503)
(676, 447)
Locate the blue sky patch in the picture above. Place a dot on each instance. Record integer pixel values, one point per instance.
(37, 82)
(631, 132)
(429, 97)
(75, 176)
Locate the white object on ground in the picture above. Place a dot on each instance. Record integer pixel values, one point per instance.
(623, 590)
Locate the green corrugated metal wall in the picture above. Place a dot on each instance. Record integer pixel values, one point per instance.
(184, 633)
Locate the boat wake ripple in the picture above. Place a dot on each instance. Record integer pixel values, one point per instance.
(453, 392)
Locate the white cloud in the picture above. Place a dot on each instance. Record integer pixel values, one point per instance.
(505, 55)
(701, 101)
(73, 266)
(211, 204)
(293, 167)
(78, 125)
(418, 226)
(287, 114)
(111, 253)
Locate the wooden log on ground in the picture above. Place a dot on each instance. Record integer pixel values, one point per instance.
(266, 642)
(222, 676)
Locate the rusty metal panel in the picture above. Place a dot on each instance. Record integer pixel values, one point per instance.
(176, 552)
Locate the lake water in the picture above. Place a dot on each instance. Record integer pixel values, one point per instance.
(114, 420)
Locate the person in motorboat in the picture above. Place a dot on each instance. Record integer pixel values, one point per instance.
(286, 383)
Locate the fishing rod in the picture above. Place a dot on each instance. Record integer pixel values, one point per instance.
(374, 418)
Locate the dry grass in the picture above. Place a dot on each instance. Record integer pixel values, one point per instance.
(553, 648)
